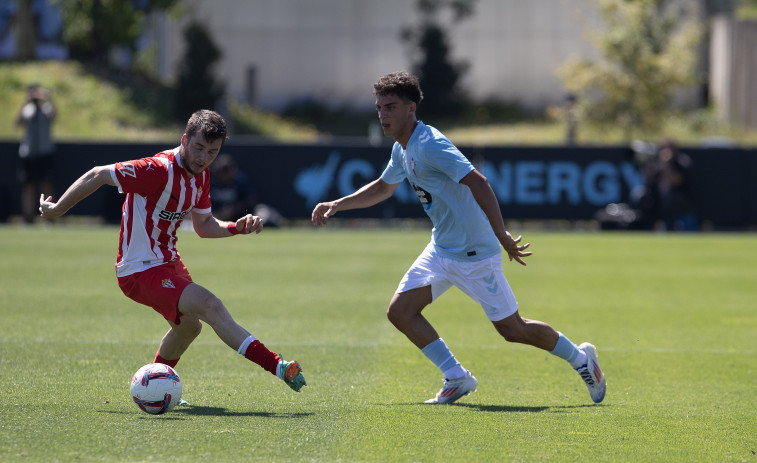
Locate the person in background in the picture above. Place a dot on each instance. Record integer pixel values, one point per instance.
(675, 188)
(37, 149)
(161, 191)
(235, 195)
(666, 200)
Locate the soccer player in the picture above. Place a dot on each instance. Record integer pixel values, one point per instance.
(465, 243)
(160, 192)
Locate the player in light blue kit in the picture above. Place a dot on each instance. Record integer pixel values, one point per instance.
(465, 243)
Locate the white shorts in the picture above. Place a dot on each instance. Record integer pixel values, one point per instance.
(483, 281)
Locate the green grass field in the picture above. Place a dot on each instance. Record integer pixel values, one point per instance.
(674, 318)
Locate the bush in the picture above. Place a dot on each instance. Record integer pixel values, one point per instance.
(196, 88)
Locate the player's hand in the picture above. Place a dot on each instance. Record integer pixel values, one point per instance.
(249, 224)
(47, 207)
(322, 212)
(515, 251)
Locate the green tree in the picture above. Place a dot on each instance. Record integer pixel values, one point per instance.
(440, 76)
(747, 9)
(26, 31)
(648, 49)
(196, 88)
(92, 27)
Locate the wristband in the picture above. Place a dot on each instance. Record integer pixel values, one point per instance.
(232, 227)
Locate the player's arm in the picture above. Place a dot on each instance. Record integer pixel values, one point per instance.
(80, 189)
(370, 194)
(207, 226)
(487, 200)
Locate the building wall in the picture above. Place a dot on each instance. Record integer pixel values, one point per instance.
(733, 67)
(333, 50)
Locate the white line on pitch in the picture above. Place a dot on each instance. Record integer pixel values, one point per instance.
(649, 349)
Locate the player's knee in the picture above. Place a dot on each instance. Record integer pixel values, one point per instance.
(213, 308)
(396, 317)
(391, 315)
(195, 329)
(187, 331)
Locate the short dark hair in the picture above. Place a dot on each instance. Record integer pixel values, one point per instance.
(209, 124)
(403, 84)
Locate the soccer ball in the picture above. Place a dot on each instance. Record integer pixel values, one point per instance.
(156, 388)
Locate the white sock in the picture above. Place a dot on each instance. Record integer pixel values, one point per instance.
(245, 344)
(455, 372)
(580, 359)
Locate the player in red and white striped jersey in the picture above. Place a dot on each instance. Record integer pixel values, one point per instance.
(152, 215)
(161, 191)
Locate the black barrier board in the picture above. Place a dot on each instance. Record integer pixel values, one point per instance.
(530, 182)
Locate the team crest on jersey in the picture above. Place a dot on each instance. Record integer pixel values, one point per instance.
(128, 169)
(167, 283)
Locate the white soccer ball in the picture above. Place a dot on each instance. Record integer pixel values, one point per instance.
(156, 388)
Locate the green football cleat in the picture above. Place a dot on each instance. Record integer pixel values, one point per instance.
(291, 373)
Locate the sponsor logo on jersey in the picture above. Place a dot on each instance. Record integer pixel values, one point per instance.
(172, 216)
(423, 195)
(128, 169)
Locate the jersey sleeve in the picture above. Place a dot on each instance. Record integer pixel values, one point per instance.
(141, 176)
(394, 172)
(445, 157)
(202, 206)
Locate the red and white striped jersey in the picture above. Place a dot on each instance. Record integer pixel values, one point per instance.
(159, 195)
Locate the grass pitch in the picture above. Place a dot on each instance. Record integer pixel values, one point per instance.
(673, 317)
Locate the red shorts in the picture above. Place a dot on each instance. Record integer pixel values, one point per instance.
(159, 287)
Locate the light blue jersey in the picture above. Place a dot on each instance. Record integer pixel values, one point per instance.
(434, 168)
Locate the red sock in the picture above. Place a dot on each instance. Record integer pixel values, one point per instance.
(170, 363)
(259, 353)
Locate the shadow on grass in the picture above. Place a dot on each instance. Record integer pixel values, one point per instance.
(193, 410)
(518, 409)
(218, 411)
(507, 408)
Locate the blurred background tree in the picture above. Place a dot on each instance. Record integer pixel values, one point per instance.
(196, 86)
(27, 33)
(431, 59)
(747, 9)
(93, 27)
(648, 49)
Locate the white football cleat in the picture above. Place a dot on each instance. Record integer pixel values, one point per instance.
(592, 374)
(453, 389)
